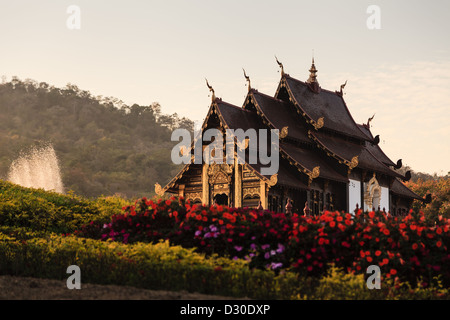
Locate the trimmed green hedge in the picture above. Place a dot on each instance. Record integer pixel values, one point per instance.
(157, 266)
(41, 210)
(164, 267)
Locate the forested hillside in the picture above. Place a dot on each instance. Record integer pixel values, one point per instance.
(104, 146)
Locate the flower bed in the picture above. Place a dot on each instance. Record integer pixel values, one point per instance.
(408, 248)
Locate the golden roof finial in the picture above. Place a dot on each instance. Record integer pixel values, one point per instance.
(281, 66)
(213, 97)
(248, 80)
(312, 76)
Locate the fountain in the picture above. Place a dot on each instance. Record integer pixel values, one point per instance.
(38, 168)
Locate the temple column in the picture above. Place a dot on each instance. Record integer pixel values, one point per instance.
(263, 194)
(237, 184)
(181, 190)
(205, 185)
(363, 177)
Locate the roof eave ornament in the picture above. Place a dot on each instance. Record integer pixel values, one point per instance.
(352, 164)
(281, 66)
(213, 96)
(369, 120)
(376, 140)
(284, 132)
(313, 174)
(248, 80)
(319, 123)
(341, 91)
(273, 180)
(399, 164)
(407, 176)
(158, 189)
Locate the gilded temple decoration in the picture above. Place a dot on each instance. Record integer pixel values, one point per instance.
(194, 196)
(213, 96)
(284, 132)
(251, 192)
(314, 174)
(281, 66)
(312, 76)
(372, 193)
(158, 189)
(318, 124)
(273, 180)
(248, 80)
(353, 163)
(220, 173)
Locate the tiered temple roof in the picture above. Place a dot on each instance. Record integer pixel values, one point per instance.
(320, 138)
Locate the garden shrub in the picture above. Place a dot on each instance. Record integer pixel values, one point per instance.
(165, 267)
(41, 210)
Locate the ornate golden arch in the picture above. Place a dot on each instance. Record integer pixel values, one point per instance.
(372, 187)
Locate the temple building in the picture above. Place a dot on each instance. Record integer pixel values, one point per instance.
(326, 160)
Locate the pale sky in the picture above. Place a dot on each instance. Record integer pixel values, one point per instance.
(161, 51)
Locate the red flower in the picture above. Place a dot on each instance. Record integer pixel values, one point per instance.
(378, 253)
(393, 272)
(415, 246)
(439, 244)
(372, 214)
(302, 229)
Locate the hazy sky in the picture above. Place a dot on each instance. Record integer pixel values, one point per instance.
(161, 51)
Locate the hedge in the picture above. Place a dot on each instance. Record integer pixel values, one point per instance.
(40, 210)
(164, 267)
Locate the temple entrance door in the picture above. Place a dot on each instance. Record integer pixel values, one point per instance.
(376, 199)
(299, 198)
(221, 199)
